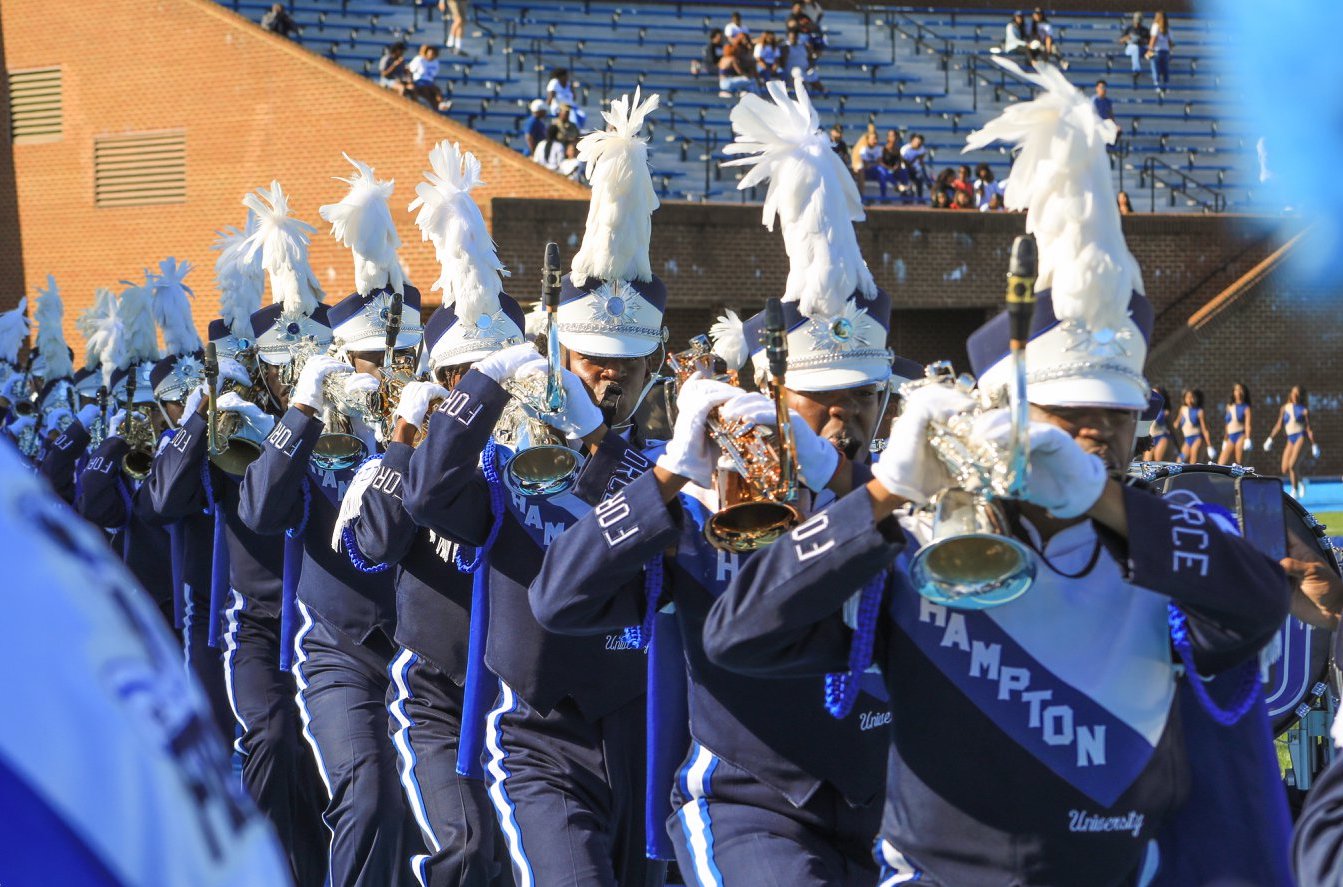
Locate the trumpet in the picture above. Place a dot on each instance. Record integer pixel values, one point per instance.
(337, 448)
(234, 442)
(137, 429)
(756, 481)
(972, 561)
(542, 465)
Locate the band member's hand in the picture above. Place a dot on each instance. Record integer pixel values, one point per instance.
(511, 363)
(233, 402)
(308, 389)
(579, 416)
(88, 415)
(909, 467)
(114, 425)
(415, 400)
(359, 385)
(1061, 477)
(198, 401)
(690, 453)
(52, 422)
(1317, 592)
(817, 458)
(231, 370)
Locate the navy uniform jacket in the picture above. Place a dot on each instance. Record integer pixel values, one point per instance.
(778, 730)
(60, 464)
(176, 489)
(105, 500)
(1036, 743)
(446, 491)
(433, 598)
(1317, 851)
(282, 488)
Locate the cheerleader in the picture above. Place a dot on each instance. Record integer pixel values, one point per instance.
(1194, 436)
(1294, 418)
(1239, 439)
(1162, 446)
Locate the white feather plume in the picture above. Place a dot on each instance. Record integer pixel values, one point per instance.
(449, 218)
(13, 330)
(241, 280)
(1062, 179)
(728, 336)
(108, 345)
(49, 314)
(137, 317)
(535, 321)
(282, 243)
(620, 215)
(811, 193)
(87, 323)
(172, 308)
(362, 221)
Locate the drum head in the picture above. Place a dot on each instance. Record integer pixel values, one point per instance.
(1303, 663)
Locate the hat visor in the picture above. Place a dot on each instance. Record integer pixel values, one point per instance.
(608, 345)
(1107, 391)
(404, 339)
(836, 378)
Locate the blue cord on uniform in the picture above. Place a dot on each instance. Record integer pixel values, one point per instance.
(841, 688)
(1246, 696)
(638, 637)
(489, 466)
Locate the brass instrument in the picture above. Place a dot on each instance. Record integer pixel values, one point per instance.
(542, 464)
(756, 480)
(337, 448)
(972, 561)
(137, 429)
(98, 429)
(396, 374)
(234, 442)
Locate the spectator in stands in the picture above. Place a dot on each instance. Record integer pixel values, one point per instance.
(536, 125)
(945, 184)
(916, 161)
(837, 143)
(1104, 107)
(392, 71)
(985, 187)
(564, 123)
(279, 21)
(768, 57)
(457, 9)
(1014, 38)
(797, 60)
(866, 163)
(962, 200)
(940, 200)
(1159, 47)
(571, 167)
(713, 51)
(550, 151)
(995, 204)
(1125, 207)
(895, 164)
(424, 71)
(560, 92)
(808, 29)
(736, 69)
(1042, 42)
(1134, 40)
(735, 28)
(963, 184)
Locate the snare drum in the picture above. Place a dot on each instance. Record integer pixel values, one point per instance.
(1299, 676)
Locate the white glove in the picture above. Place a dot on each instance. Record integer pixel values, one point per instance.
(690, 453)
(415, 400)
(231, 370)
(53, 419)
(361, 385)
(1212, 452)
(908, 466)
(193, 402)
(1061, 477)
(817, 458)
(509, 363)
(308, 389)
(1248, 445)
(15, 389)
(580, 416)
(114, 428)
(1268, 445)
(1315, 450)
(88, 415)
(233, 402)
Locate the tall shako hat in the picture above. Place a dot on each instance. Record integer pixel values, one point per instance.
(135, 311)
(54, 358)
(89, 379)
(13, 330)
(1092, 322)
(181, 368)
(362, 221)
(836, 316)
(611, 303)
(477, 317)
(241, 281)
(296, 311)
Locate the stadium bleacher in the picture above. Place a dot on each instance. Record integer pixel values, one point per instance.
(926, 71)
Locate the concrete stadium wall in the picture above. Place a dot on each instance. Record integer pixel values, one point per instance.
(254, 107)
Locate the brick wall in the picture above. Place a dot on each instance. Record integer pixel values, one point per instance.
(254, 107)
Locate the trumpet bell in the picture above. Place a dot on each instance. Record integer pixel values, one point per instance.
(542, 470)
(136, 464)
(971, 563)
(237, 455)
(748, 526)
(336, 451)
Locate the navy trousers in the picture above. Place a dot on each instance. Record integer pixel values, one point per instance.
(204, 661)
(343, 693)
(731, 829)
(569, 794)
(451, 810)
(277, 770)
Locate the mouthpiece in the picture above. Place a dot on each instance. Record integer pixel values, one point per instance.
(551, 277)
(776, 340)
(1022, 269)
(211, 361)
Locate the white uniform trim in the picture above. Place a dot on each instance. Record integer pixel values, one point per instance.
(495, 776)
(695, 819)
(300, 657)
(400, 671)
(236, 605)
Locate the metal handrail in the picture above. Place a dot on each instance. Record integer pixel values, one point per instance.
(1149, 170)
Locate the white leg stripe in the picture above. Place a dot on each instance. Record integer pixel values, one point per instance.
(399, 670)
(300, 657)
(496, 774)
(188, 610)
(236, 605)
(696, 821)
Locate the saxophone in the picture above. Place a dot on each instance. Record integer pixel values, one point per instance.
(137, 429)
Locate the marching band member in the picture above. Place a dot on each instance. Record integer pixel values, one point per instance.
(565, 740)
(13, 376)
(52, 372)
(774, 788)
(443, 785)
(344, 646)
(1063, 756)
(123, 782)
(184, 484)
